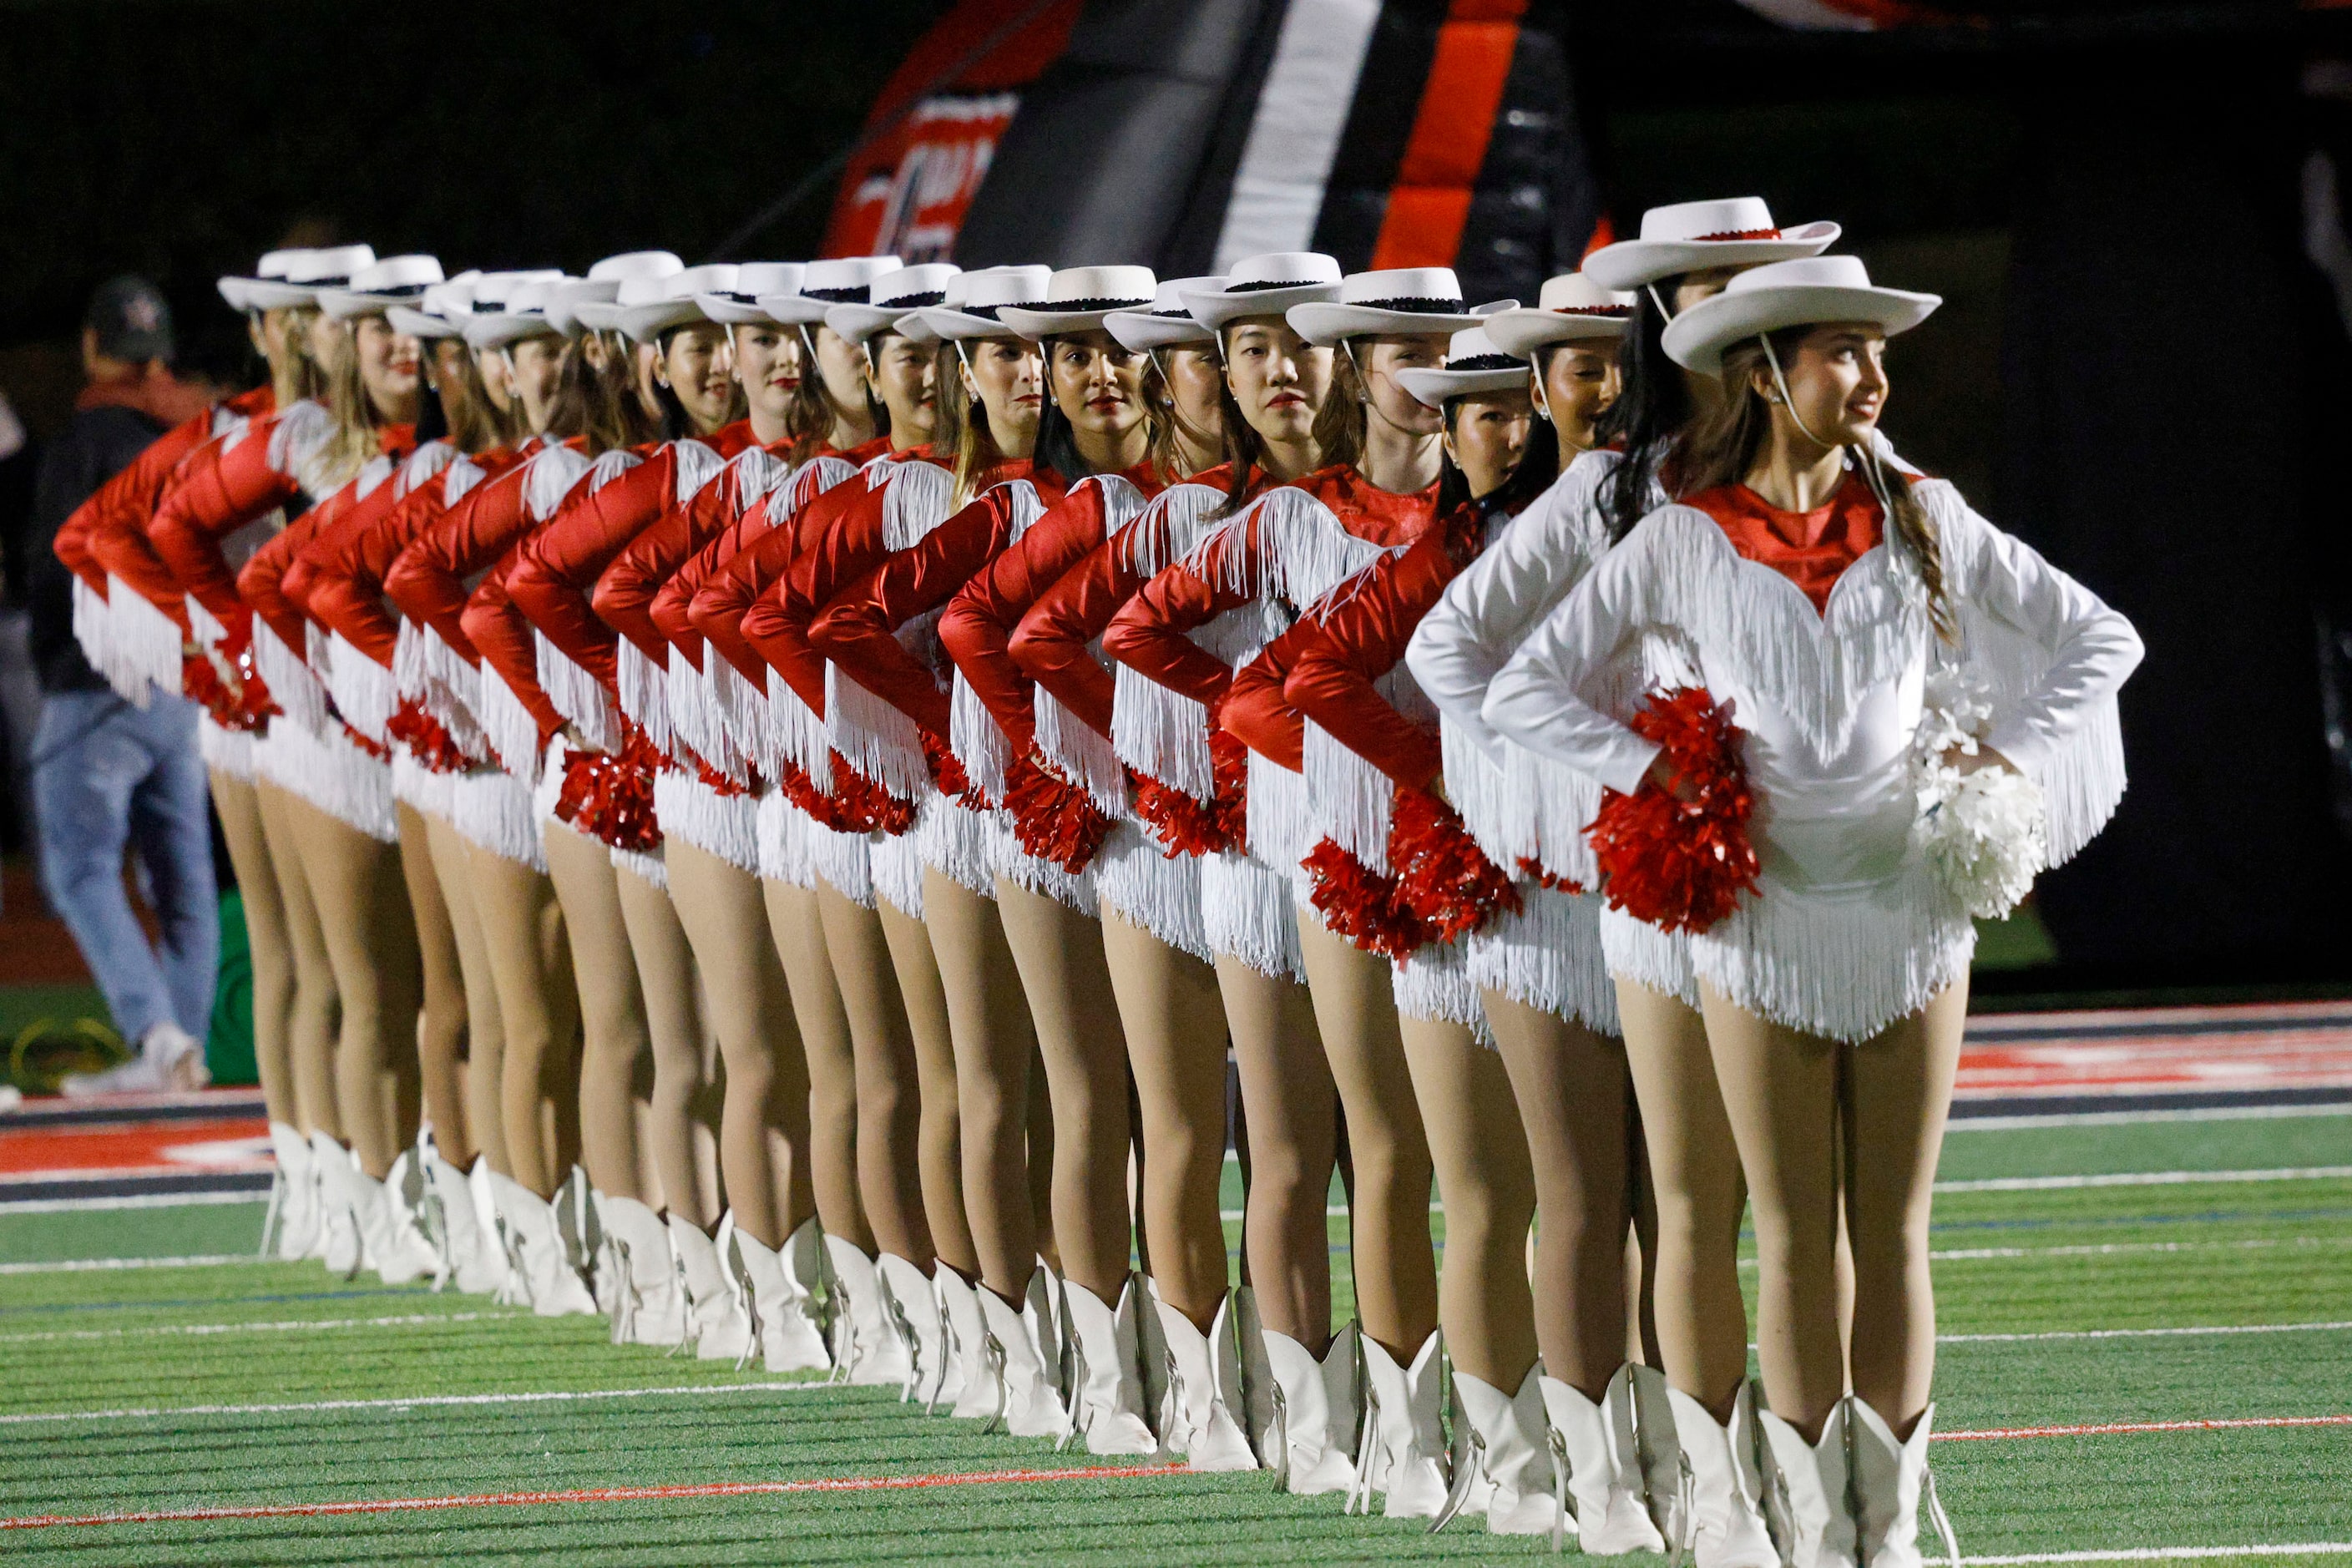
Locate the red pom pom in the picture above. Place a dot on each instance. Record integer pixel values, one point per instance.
(1055, 819)
(609, 795)
(1189, 826)
(427, 739)
(946, 772)
(1442, 875)
(1535, 871)
(1362, 905)
(1680, 865)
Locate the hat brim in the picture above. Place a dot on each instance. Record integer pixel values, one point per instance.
(598, 315)
(1325, 322)
(1221, 308)
(1695, 339)
(644, 323)
(1035, 323)
(276, 294)
(410, 321)
(796, 309)
(232, 291)
(859, 323)
(735, 313)
(1143, 330)
(351, 304)
(962, 326)
(1633, 263)
(1435, 387)
(500, 331)
(1523, 331)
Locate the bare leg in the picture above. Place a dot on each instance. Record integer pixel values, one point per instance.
(524, 940)
(239, 805)
(798, 931)
(1396, 1262)
(889, 1096)
(1293, 1113)
(485, 1035)
(442, 1025)
(371, 938)
(1175, 1028)
(993, 1041)
(763, 1130)
(1066, 977)
(1488, 1186)
(316, 1019)
(1576, 1099)
(613, 1034)
(1702, 1320)
(674, 1017)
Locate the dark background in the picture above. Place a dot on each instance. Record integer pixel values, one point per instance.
(2137, 369)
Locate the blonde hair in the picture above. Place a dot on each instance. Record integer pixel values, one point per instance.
(300, 375)
(359, 428)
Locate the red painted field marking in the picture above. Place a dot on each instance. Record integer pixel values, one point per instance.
(594, 1494)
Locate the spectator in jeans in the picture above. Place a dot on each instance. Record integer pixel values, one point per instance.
(108, 773)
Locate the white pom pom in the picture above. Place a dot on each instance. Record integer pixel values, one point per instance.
(1986, 834)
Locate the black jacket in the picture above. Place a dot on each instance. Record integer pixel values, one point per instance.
(99, 443)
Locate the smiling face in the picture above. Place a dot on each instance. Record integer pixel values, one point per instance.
(1486, 434)
(1008, 376)
(1277, 378)
(390, 363)
(1578, 382)
(768, 364)
(1837, 384)
(1098, 384)
(906, 378)
(698, 365)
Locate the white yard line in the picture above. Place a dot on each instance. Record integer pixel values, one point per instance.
(2144, 1179)
(2141, 1333)
(125, 1201)
(164, 1412)
(81, 1265)
(2169, 1553)
(289, 1326)
(1979, 1254)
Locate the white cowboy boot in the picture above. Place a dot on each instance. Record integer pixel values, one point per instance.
(1031, 1408)
(498, 1247)
(865, 1349)
(1049, 1329)
(293, 1229)
(1506, 1443)
(1311, 1442)
(715, 1320)
(342, 1246)
(1810, 1487)
(1607, 1491)
(1199, 1419)
(648, 1307)
(783, 1304)
(964, 1387)
(1405, 1457)
(1640, 1411)
(394, 1246)
(582, 1235)
(1889, 1479)
(911, 1306)
(449, 1202)
(1108, 1402)
(1724, 1524)
(556, 1288)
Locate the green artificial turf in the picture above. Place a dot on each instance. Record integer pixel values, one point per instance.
(2051, 1262)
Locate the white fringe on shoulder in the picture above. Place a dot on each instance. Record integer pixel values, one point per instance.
(555, 469)
(696, 465)
(726, 825)
(918, 501)
(1133, 875)
(492, 809)
(1249, 909)
(1548, 957)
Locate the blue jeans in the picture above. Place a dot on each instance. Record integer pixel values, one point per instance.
(106, 775)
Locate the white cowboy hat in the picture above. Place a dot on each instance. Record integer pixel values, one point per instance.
(602, 314)
(1814, 290)
(1165, 323)
(754, 280)
(889, 296)
(1474, 365)
(271, 268)
(635, 264)
(441, 311)
(1417, 299)
(1571, 307)
(1267, 285)
(986, 290)
(306, 272)
(394, 280)
(563, 302)
(1078, 299)
(527, 315)
(915, 330)
(679, 305)
(1692, 236)
(838, 280)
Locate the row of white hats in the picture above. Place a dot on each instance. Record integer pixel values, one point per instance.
(1786, 280)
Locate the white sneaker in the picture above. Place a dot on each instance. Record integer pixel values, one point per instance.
(169, 1058)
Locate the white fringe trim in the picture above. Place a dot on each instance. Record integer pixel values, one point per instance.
(1435, 983)
(695, 465)
(644, 691)
(648, 865)
(1160, 895)
(331, 773)
(492, 809)
(547, 788)
(298, 436)
(427, 670)
(1161, 733)
(203, 625)
(553, 470)
(726, 825)
(793, 732)
(1548, 957)
(918, 501)
(874, 736)
(1081, 751)
(897, 865)
(1008, 860)
(1351, 800)
(783, 835)
(362, 689)
(425, 464)
(146, 644)
(1302, 549)
(415, 785)
(978, 740)
(1282, 824)
(507, 724)
(229, 751)
(958, 842)
(293, 685)
(576, 694)
(1640, 952)
(93, 628)
(845, 862)
(1248, 911)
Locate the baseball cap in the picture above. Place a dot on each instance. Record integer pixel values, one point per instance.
(132, 320)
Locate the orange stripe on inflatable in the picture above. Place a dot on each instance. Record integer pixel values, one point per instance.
(1430, 199)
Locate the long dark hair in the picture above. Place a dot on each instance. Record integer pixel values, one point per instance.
(677, 424)
(601, 405)
(1723, 444)
(1537, 469)
(1338, 436)
(1057, 442)
(1653, 406)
